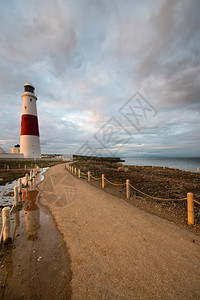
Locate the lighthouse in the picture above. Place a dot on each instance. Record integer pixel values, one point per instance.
(29, 139)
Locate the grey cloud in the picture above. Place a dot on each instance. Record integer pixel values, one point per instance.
(87, 58)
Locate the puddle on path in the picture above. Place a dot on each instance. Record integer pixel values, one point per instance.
(36, 265)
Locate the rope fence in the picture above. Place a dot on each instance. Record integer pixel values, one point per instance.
(116, 184)
(189, 198)
(84, 174)
(6, 211)
(98, 178)
(156, 198)
(2, 229)
(197, 201)
(12, 208)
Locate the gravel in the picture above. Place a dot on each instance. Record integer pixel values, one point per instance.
(117, 250)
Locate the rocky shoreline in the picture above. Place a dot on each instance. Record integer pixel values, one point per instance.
(157, 182)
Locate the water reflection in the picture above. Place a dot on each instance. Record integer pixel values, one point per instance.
(9, 263)
(31, 213)
(17, 219)
(26, 214)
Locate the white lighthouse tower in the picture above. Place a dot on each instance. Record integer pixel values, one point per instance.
(30, 139)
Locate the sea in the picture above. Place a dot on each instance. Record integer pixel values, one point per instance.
(191, 163)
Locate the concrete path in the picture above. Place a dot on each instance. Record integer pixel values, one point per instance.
(118, 251)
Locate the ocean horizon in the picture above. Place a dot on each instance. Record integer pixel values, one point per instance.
(191, 163)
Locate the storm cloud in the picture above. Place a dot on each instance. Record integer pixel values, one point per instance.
(86, 59)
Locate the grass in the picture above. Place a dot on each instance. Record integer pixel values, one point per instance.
(17, 168)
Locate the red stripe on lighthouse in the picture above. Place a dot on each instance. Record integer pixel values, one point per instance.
(29, 125)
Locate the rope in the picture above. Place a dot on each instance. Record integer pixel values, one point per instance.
(12, 208)
(84, 174)
(2, 229)
(95, 178)
(197, 202)
(117, 184)
(122, 184)
(156, 198)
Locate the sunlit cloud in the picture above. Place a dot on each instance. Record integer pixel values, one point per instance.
(87, 58)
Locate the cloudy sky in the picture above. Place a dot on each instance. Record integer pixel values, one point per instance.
(118, 77)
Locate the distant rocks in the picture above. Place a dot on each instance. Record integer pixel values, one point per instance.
(123, 169)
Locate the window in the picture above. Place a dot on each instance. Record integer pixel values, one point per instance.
(31, 100)
(25, 107)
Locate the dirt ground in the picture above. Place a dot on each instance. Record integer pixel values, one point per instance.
(117, 250)
(158, 182)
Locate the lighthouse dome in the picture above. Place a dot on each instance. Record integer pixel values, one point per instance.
(28, 87)
(28, 83)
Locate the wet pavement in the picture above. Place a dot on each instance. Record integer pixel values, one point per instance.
(36, 265)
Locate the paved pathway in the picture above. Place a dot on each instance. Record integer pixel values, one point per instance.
(118, 251)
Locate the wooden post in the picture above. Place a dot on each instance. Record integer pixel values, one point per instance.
(72, 169)
(20, 185)
(79, 173)
(127, 189)
(6, 232)
(102, 181)
(190, 207)
(88, 173)
(31, 175)
(26, 181)
(75, 171)
(27, 192)
(197, 170)
(16, 198)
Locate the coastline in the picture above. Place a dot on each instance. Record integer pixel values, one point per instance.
(158, 182)
(180, 163)
(103, 234)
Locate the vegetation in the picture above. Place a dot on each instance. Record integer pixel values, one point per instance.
(157, 182)
(17, 168)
